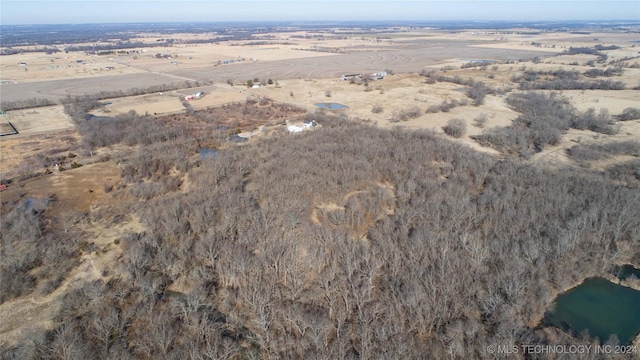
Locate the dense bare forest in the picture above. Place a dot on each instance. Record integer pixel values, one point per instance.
(349, 241)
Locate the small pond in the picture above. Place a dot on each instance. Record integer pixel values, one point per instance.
(331, 106)
(599, 306)
(208, 153)
(624, 272)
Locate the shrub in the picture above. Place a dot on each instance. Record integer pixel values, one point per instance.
(377, 108)
(480, 120)
(406, 114)
(455, 128)
(629, 114)
(600, 122)
(511, 139)
(625, 171)
(478, 92)
(583, 153)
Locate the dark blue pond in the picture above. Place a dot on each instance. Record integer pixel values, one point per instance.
(625, 271)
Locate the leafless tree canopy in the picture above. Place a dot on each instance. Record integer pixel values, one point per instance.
(349, 241)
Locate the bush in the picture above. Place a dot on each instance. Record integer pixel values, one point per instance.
(478, 92)
(455, 128)
(600, 122)
(606, 73)
(406, 114)
(377, 108)
(629, 114)
(445, 106)
(628, 170)
(480, 120)
(582, 153)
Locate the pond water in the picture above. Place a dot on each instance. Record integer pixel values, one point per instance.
(479, 61)
(331, 106)
(625, 271)
(599, 306)
(208, 153)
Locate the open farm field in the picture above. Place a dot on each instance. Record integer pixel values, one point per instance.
(39, 120)
(305, 59)
(306, 69)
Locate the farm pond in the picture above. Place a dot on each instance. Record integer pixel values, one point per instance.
(600, 307)
(331, 106)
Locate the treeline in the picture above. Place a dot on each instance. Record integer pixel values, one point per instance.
(129, 129)
(476, 91)
(38, 102)
(44, 49)
(596, 50)
(568, 80)
(349, 241)
(543, 120)
(573, 85)
(609, 72)
(25, 104)
(133, 91)
(594, 152)
(626, 171)
(93, 48)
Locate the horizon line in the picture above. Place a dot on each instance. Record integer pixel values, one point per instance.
(634, 21)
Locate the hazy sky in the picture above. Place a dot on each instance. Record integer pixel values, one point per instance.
(90, 11)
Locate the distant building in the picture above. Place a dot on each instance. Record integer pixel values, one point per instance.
(294, 129)
(351, 76)
(22, 64)
(374, 76)
(237, 138)
(377, 76)
(309, 123)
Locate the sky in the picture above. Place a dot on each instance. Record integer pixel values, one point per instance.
(14, 12)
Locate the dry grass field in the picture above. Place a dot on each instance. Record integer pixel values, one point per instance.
(306, 69)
